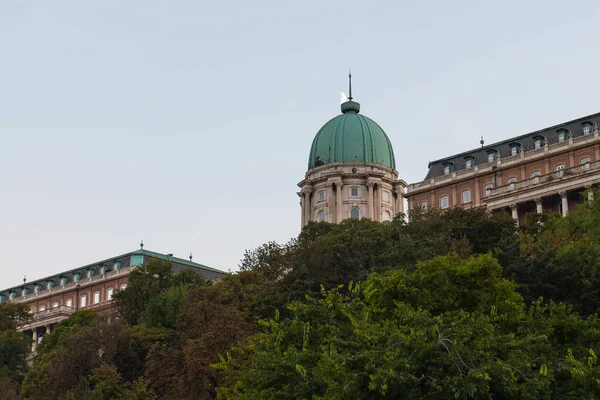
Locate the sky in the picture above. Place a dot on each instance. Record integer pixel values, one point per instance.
(188, 123)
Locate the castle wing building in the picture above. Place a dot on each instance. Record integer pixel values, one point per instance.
(543, 170)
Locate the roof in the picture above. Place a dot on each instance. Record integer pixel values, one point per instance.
(503, 148)
(351, 138)
(123, 258)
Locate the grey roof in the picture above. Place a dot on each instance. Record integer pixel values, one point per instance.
(550, 135)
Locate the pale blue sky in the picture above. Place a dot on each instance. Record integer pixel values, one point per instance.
(188, 123)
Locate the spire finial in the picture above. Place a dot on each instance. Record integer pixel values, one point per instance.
(142, 244)
(190, 256)
(350, 84)
(24, 279)
(481, 141)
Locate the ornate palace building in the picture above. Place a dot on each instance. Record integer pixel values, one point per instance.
(91, 287)
(351, 171)
(543, 170)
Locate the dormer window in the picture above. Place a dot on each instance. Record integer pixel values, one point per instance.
(588, 128)
(492, 155)
(563, 135)
(469, 162)
(447, 168)
(514, 149)
(538, 142)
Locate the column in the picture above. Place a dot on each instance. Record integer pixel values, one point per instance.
(330, 202)
(301, 211)
(399, 200)
(590, 193)
(515, 213)
(377, 202)
(306, 206)
(338, 192)
(370, 200)
(477, 194)
(565, 203)
(35, 339)
(538, 205)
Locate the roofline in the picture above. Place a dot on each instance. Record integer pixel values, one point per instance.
(138, 251)
(489, 146)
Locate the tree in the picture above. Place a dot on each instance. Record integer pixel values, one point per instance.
(397, 336)
(14, 346)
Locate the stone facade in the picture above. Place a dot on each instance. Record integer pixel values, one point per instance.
(334, 192)
(551, 174)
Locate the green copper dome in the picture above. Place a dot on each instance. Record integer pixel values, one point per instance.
(351, 138)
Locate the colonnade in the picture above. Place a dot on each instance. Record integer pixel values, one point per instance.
(564, 203)
(37, 336)
(335, 200)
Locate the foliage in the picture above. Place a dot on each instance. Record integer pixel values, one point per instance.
(14, 346)
(470, 340)
(453, 304)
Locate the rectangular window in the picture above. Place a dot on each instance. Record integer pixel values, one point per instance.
(69, 303)
(444, 202)
(514, 150)
(466, 196)
(109, 294)
(537, 143)
(469, 163)
(423, 205)
(321, 195)
(83, 301)
(561, 137)
(96, 297)
(491, 157)
(354, 191)
(446, 169)
(587, 129)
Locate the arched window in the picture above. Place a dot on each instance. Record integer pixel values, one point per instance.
(321, 216)
(42, 308)
(387, 216)
(511, 180)
(514, 149)
(448, 167)
(444, 202)
(55, 305)
(469, 162)
(96, 297)
(69, 303)
(355, 212)
(124, 286)
(584, 160)
(83, 301)
(562, 135)
(535, 173)
(109, 294)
